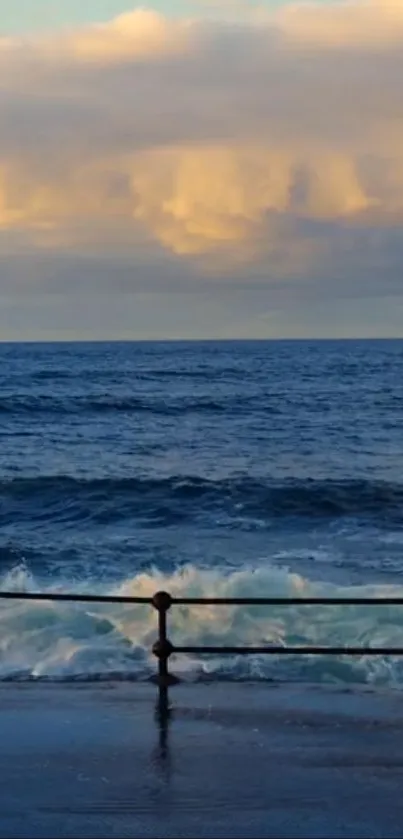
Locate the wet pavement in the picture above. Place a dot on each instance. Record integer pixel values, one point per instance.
(231, 761)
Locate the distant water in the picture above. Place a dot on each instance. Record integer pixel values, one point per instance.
(231, 468)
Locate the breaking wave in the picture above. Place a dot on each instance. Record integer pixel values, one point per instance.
(78, 641)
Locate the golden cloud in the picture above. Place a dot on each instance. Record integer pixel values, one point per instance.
(207, 137)
(344, 24)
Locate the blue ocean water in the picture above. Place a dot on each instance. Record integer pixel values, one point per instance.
(232, 468)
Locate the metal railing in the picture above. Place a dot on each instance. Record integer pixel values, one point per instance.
(163, 647)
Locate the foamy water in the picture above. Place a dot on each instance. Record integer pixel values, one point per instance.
(63, 640)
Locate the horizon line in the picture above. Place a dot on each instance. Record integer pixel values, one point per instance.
(14, 341)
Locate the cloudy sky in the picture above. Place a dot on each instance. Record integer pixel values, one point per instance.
(201, 168)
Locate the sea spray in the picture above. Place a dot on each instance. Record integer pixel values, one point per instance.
(91, 641)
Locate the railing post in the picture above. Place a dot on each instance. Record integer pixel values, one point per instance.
(163, 648)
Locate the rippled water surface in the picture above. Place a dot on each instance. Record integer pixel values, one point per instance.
(247, 468)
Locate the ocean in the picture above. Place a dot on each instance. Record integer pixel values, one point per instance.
(214, 468)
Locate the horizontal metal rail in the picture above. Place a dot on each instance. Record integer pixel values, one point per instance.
(162, 601)
(202, 601)
(60, 597)
(287, 601)
(276, 650)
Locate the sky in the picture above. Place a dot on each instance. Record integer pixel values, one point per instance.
(201, 169)
(20, 16)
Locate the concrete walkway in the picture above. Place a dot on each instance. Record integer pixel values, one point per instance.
(234, 761)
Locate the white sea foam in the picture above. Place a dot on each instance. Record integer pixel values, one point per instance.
(67, 640)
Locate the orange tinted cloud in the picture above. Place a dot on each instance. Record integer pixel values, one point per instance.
(207, 138)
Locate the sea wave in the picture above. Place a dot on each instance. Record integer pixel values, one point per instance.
(71, 641)
(208, 372)
(86, 405)
(184, 496)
